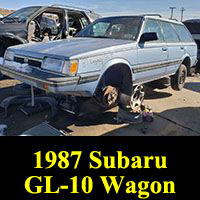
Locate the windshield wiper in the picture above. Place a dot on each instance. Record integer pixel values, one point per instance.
(99, 37)
(88, 36)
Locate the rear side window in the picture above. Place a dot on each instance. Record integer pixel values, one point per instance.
(169, 32)
(183, 33)
(153, 26)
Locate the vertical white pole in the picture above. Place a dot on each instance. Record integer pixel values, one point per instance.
(32, 97)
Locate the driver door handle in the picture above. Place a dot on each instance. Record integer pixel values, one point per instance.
(164, 49)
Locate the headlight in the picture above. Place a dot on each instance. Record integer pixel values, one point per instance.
(62, 66)
(70, 67)
(9, 55)
(53, 64)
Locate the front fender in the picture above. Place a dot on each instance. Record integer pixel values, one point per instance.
(113, 62)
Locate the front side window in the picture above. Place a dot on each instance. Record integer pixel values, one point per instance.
(183, 33)
(170, 34)
(124, 28)
(153, 26)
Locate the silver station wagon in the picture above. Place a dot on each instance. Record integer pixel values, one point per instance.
(123, 52)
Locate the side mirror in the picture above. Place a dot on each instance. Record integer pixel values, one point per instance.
(146, 37)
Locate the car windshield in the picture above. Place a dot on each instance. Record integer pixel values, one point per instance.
(124, 28)
(20, 15)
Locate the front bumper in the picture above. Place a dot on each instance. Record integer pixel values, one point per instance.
(48, 81)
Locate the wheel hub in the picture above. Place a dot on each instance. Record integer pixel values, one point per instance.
(110, 95)
(137, 97)
(182, 77)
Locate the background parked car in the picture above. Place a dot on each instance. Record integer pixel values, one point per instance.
(30, 23)
(193, 26)
(1, 16)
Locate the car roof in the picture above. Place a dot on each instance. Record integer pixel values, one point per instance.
(149, 16)
(163, 19)
(192, 21)
(71, 8)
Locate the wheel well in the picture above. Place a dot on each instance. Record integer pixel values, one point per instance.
(187, 62)
(114, 75)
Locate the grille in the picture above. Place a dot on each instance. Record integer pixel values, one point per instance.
(19, 60)
(34, 63)
(30, 61)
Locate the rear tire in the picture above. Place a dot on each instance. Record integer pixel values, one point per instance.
(178, 80)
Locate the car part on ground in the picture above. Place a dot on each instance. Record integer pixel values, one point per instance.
(143, 114)
(128, 117)
(137, 97)
(19, 100)
(43, 129)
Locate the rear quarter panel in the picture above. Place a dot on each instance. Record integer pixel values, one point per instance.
(191, 51)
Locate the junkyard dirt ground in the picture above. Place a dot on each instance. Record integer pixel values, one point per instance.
(176, 113)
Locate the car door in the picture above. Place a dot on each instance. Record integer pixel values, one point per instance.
(175, 48)
(151, 55)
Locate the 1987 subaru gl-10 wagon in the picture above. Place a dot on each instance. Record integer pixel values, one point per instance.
(113, 51)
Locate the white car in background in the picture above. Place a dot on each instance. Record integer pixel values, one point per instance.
(1, 16)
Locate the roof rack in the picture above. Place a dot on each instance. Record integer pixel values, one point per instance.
(173, 19)
(71, 7)
(156, 15)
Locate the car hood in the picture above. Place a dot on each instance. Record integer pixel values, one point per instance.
(76, 47)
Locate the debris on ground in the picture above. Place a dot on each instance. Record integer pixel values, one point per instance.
(44, 101)
(128, 117)
(138, 115)
(147, 113)
(3, 127)
(43, 129)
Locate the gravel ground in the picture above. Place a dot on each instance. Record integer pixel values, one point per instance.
(176, 114)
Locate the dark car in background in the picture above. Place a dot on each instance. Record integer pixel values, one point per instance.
(30, 24)
(193, 26)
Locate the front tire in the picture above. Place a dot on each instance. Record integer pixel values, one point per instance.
(178, 80)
